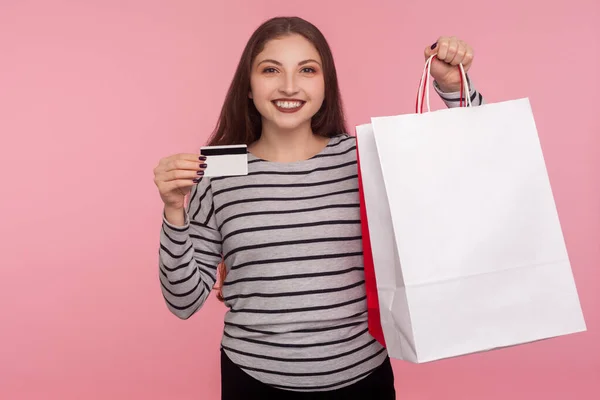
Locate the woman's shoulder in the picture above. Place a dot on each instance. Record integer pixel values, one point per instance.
(341, 136)
(342, 140)
(341, 149)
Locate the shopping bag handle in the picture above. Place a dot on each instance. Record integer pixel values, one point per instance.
(423, 93)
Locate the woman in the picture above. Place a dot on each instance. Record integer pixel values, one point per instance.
(289, 232)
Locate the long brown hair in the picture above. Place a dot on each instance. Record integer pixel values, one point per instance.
(241, 123)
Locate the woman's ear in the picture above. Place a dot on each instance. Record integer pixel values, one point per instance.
(250, 94)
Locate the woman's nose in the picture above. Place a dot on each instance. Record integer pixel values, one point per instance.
(289, 85)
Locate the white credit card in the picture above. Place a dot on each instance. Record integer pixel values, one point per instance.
(229, 160)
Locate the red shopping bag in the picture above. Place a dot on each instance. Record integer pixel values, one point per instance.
(374, 318)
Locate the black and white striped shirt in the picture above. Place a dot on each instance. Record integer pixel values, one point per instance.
(290, 235)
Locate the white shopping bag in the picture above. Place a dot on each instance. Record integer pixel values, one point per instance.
(466, 242)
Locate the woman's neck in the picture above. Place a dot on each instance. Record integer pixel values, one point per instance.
(288, 146)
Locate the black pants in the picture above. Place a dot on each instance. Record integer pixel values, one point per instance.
(238, 385)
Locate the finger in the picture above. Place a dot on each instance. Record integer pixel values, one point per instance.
(183, 156)
(179, 174)
(451, 49)
(429, 50)
(185, 164)
(461, 51)
(468, 59)
(442, 48)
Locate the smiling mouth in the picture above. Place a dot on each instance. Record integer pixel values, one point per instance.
(288, 106)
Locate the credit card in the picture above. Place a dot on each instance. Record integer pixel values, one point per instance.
(231, 160)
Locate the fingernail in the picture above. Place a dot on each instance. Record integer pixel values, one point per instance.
(200, 173)
(196, 180)
(433, 46)
(202, 158)
(202, 165)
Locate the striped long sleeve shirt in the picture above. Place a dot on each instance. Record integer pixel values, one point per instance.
(290, 235)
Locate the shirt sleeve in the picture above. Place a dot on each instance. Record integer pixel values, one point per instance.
(189, 254)
(452, 99)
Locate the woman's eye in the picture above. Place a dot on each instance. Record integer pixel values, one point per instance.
(306, 70)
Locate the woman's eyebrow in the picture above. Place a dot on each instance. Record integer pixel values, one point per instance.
(268, 60)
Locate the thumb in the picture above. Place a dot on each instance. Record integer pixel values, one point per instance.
(430, 50)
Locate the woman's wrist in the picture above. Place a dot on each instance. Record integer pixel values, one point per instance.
(175, 215)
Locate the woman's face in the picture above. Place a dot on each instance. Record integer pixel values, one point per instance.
(287, 83)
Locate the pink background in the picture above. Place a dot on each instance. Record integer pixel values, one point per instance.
(93, 93)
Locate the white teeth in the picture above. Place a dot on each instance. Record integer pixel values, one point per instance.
(288, 104)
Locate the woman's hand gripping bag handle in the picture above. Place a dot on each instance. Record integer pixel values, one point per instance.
(423, 92)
